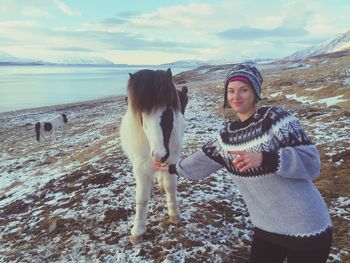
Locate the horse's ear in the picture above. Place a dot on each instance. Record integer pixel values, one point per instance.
(184, 89)
(131, 76)
(168, 73)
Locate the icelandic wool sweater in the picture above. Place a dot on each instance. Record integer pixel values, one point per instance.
(280, 196)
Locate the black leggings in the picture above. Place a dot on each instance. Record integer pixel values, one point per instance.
(263, 251)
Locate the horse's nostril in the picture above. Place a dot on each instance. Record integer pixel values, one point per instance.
(164, 158)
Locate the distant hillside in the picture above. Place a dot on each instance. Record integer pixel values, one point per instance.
(338, 44)
(8, 60)
(185, 63)
(84, 61)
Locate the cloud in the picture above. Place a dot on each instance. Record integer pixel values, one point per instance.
(125, 41)
(66, 9)
(111, 21)
(249, 33)
(174, 16)
(73, 49)
(34, 12)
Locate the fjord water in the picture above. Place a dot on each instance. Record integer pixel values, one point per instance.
(23, 87)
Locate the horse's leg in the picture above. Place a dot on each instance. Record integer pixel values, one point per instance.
(160, 180)
(144, 184)
(170, 185)
(53, 136)
(44, 136)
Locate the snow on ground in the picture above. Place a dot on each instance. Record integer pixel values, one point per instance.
(73, 200)
(64, 203)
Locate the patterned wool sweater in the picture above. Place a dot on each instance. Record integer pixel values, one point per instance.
(280, 195)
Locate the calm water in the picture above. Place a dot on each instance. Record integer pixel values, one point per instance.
(24, 87)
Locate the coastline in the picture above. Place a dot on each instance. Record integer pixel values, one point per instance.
(64, 106)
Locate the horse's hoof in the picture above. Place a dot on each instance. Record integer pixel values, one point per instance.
(136, 239)
(175, 219)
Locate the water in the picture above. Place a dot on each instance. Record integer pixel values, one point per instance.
(23, 87)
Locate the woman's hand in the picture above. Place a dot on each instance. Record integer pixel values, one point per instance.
(161, 166)
(246, 160)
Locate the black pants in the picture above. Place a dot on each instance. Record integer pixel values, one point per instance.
(263, 251)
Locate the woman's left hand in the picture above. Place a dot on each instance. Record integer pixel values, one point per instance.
(246, 160)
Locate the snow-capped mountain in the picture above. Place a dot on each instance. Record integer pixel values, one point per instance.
(185, 63)
(6, 58)
(240, 60)
(340, 43)
(83, 61)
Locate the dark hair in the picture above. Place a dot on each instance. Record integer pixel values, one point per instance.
(150, 89)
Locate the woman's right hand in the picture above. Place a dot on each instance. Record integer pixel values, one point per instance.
(161, 166)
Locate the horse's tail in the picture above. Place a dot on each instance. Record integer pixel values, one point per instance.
(37, 131)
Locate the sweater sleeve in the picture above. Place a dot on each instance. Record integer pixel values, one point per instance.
(295, 157)
(197, 166)
(300, 162)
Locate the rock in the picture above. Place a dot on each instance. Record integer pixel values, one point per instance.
(52, 226)
(342, 155)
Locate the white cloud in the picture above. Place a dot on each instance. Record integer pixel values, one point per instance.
(35, 12)
(185, 16)
(66, 9)
(176, 32)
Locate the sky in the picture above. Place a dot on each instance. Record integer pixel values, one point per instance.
(164, 31)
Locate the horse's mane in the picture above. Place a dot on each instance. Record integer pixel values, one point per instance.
(152, 89)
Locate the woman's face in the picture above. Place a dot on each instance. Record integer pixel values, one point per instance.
(241, 98)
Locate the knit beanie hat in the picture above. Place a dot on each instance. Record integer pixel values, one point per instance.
(249, 72)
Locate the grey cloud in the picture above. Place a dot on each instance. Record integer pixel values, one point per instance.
(249, 33)
(73, 49)
(127, 41)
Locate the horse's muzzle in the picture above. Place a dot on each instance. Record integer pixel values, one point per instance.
(156, 157)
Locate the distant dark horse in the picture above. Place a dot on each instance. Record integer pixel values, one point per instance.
(44, 128)
(152, 131)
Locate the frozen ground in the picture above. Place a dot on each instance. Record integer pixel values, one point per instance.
(73, 200)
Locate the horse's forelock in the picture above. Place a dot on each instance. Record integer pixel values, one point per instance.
(149, 89)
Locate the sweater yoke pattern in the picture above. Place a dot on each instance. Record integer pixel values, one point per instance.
(267, 131)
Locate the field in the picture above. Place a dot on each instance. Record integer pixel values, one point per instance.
(72, 200)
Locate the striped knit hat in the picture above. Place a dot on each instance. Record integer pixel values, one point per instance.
(249, 72)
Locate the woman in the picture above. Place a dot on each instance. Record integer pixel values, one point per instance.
(273, 163)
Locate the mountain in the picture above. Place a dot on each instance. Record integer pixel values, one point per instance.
(83, 61)
(7, 59)
(185, 63)
(340, 43)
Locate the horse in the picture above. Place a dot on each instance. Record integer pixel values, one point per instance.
(45, 127)
(152, 130)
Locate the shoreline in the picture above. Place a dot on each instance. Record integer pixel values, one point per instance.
(64, 106)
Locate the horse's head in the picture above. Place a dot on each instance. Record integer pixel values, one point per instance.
(154, 101)
(157, 127)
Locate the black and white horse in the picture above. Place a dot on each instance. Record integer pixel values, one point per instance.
(44, 128)
(152, 131)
